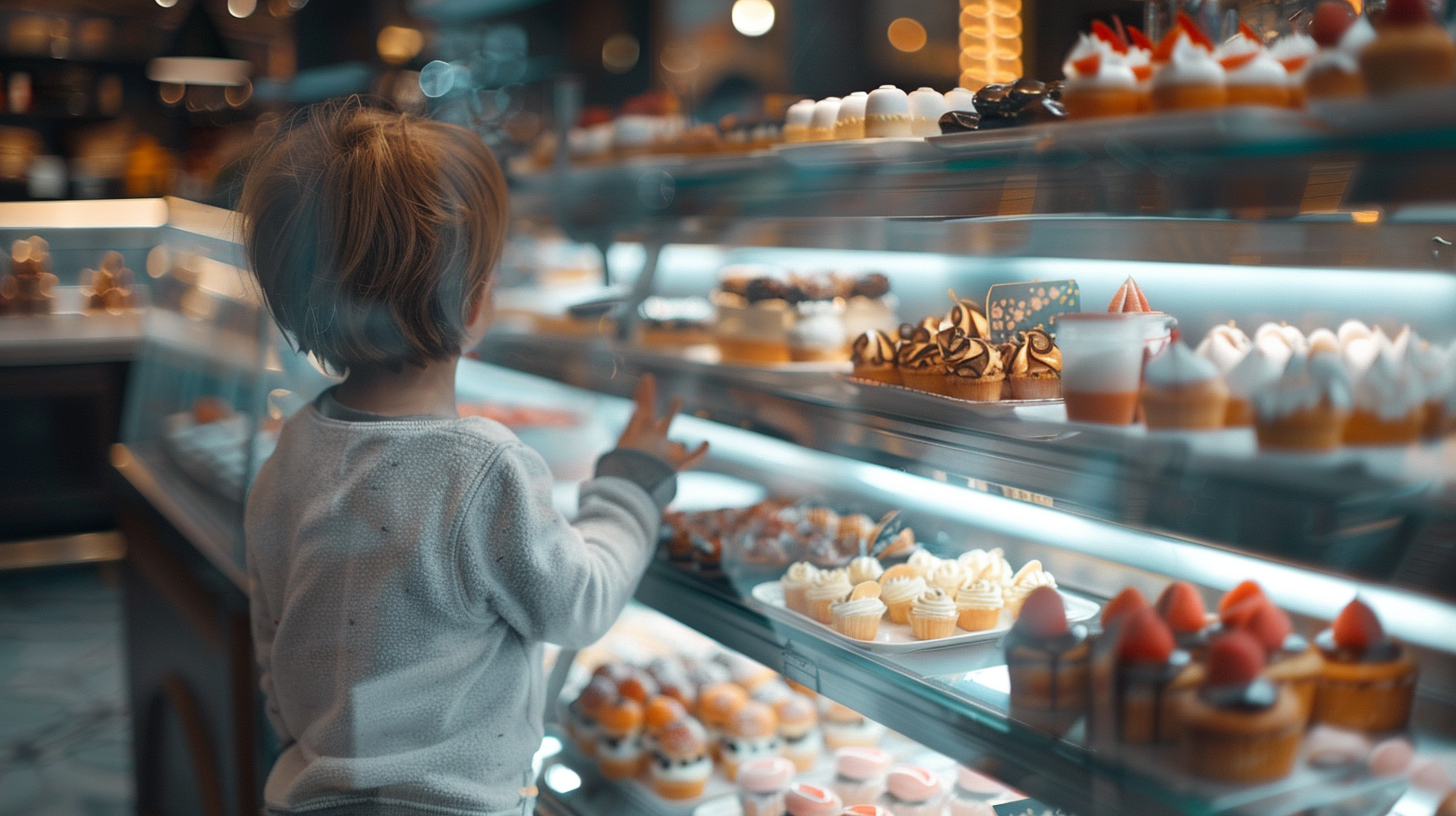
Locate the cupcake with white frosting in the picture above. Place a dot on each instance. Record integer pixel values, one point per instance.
(1334, 71)
(887, 112)
(796, 121)
(1028, 579)
(1251, 75)
(850, 122)
(926, 108)
(796, 582)
(1433, 363)
(829, 588)
(979, 605)
(898, 594)
(933, 615)
(1257, 371)
(1281, 341)
(1182, 390)
(823, 119)
(1186, 75)
(1389, 402)
(1099, 80)
(1225, 346)
(865, 568)
(948, 575)
(1307, 408)
(1294, 51)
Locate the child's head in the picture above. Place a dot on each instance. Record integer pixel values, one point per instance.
(373, 235)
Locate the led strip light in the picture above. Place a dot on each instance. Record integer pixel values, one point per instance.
(990, 42)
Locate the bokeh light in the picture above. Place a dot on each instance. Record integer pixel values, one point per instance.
(242, 8)
(620, 53)
(990, 42)
(399, 44)
(437, 78)
(753, 18)
(907, 34)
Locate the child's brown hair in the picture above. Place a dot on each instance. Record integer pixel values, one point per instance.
(372, 233)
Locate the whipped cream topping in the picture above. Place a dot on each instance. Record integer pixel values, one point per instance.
(977, 562)
(926, 108)
(968, 318)
(1225, 346)
(799, 114)
(1093, 64)
(923, 562)
(1179, 365)
(948, 576)
(1305, 383)
(1390, 388)
(1140, 60)
(829, 584)
(933, 603)
(679, 771)
(1433, 363)
(1247, 62)
(849, 122)
(921, 352)
(856, 608)
(980, 595)
(1280, 342)
(818, 326)
(900, 590)
(1323, 339)
(1025, 584)
(1345, 57)
(1294, 52)
(1257, 370)
(874, 347)
(801, 573)
(1353, 330)
(865, 568)
(826, 111)
(970, 357)
(1359, 353)
(1190, 64)
(961, 99)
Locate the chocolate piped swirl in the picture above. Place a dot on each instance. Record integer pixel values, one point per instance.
(969, 357)
(874, 347)
(1038, 355)
(969, 318)
(920, 352)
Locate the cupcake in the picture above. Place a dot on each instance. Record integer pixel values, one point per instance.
(799, 730)
(751, 733)
(796, 582)
(859, 616)
(822, 121)
(1290, 660)
(873, 356)
(860, 774)
(969, 318)
(1389, 402)
(1047, 661)
(988, 565)
(619, 739)
(947, 576)
(583, 713)
(1035, 370)
(865, 568)
(1239, 727)
(920, 362)
(1140, 60)
(830, 587)
(796, 121)
(763, 785)
(887, 112)
(1150, 675)
(897, 594)
(933, 615)
(978, 606)
(817, 335)
(1251, 75)
(1099, 80)
(960, 99)
(680, 763)
(1411, 50)
(1306, 409)
(1294, 51)
(804, 799)
(1369, 678)
(973, 369)
(1026, 581)
(1187, 76)
(1254, 373)
(1334, 70)
(1225, 346)
(923, 562)
(1181, 607)
(1182, 391)
(926, 108)
(850, 122)
(846, 728)
(913, 791)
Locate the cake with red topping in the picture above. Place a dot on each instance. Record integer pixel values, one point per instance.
(1123, 604)
(1188, 77)
(1251, 75)
(1181, 607)
(1411, 50)
(1369, 678)
(1334, 70)
(1048, 663)
(1237, 726)
(1291, 660)
(1151, 673)
(1099, 79)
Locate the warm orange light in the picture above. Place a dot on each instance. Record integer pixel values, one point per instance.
(1366, 217)
(620, 52)
(990, 42)
(907, 34)
(399, 44)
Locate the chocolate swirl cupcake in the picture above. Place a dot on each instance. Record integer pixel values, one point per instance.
(920, 362)
(969, 318)
(973, 367)
(1036, 367)
(873, 355)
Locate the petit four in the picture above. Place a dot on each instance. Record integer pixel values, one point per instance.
(1369, 678)
(1100, 82)
(1251, 75)
(913, 791)
(823, 120)
(751, 733)
(796, 121)
(849, 123)
(680, 762)
(1047, 661)
(887, 113)
(860, 774)
(763, 784)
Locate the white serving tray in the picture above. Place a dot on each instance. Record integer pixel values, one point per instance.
(984, 407)
(897, 638)
(858, 151)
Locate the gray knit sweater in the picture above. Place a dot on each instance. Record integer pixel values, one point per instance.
(404, 576)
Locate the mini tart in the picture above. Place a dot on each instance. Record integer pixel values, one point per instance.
(873, 356)
(1369, 680)
(973, 367)
(920, 361)
(1048, 664)
(1035, 370)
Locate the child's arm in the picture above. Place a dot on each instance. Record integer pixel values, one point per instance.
(562, 582)
(264, 629)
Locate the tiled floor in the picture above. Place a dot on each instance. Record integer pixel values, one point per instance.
(64, 725)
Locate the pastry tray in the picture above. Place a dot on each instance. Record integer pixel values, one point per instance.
(858, 151)
(897, 638)
(898, 393)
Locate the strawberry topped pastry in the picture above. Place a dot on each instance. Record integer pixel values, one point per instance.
(1122, 604)
(1235, 607)
(1181, 607)
(1186, 75)
(1411, 50)
(1237, 726)
(1140, 60)
(1291, 660)
(1100, 82)
(1048, 664)
(1151, 672)
(1369, 678)
(1251, 75)
(1342, 35)
(1294, 51)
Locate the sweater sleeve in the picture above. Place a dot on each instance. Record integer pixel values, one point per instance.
(550, 579)
(265, 627)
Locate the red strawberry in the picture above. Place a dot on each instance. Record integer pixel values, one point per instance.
(1242, 592)
(1234, 658)
(1139, 39)
(1194, 32)
(1142, 72)
(1238, 61)
(1127, 602)
(1269, 625)
(1331, 19)
(1104, 32)
(1237, 616)
(1356, 627)
(1088, 65)
(1182, 607)
(1164, 51)
(1248, 31)
(1145, 638)
(1405, 13)
(1043, 614)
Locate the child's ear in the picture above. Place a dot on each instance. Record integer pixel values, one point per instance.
(478, 317)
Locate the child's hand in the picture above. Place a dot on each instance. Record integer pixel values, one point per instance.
(647, 433)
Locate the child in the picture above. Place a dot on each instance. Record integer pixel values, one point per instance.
(407, 564)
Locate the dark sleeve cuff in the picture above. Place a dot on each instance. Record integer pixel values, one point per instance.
(656, 477)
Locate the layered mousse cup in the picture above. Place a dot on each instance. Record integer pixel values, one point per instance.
(1102, 362)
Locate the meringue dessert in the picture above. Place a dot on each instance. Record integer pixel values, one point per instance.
(887, 113)
(1188, 76)
(1251, 75)
(1100, 82)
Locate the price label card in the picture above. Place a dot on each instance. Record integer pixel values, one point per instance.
(1012, 308)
